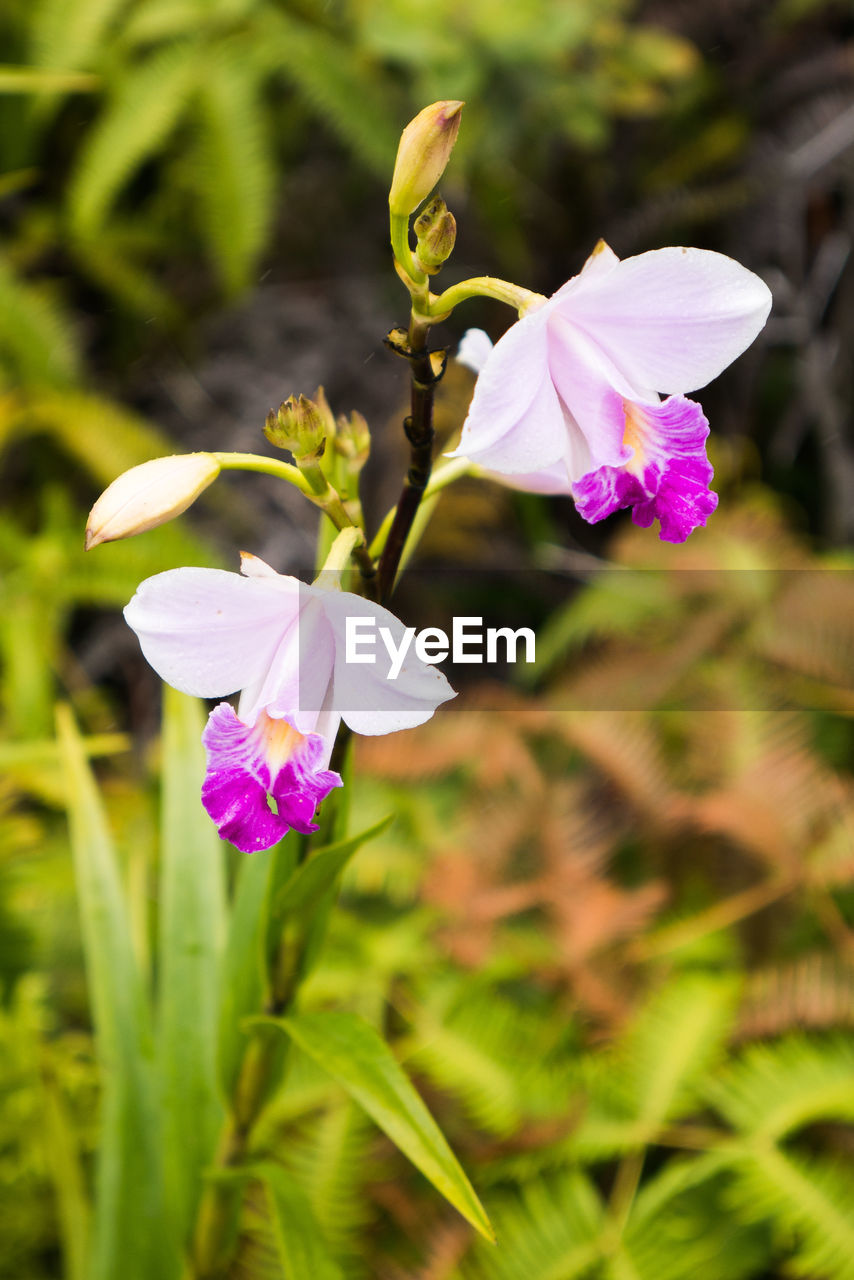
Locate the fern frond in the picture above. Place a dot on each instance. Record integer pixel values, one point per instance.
(808, 1198)
(342, 88)
(681, 1031)
(144, 109)
(36, 341)
(656, 1071)
(105, 438)
(549, 1230)
(779, 1087)
(68, 33)
(330, 1158)
(693, 1233)
(235, 174)
(814, 991)
(472, 1055)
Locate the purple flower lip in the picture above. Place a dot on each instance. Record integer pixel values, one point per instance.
(262, 781)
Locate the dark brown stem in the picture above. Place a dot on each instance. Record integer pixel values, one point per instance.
(419, 432)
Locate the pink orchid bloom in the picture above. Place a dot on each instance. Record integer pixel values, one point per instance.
(208, 633)
(567, 401)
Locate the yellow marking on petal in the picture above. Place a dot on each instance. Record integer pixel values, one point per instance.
(279, 740)
(634, 433)
(599, 247)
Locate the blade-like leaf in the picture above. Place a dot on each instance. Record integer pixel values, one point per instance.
(133, 1235)
(192, 903)
(353, 1053)
(301, 906)
(244, 963)
(36, 80)
(314, 878)
(73, 1208)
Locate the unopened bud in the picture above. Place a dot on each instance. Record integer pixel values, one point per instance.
(436, 230)
(299, 426)
(425, 148)
(353, 441)
(149, 495)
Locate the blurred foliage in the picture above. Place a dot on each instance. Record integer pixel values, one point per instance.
(132, 134)
(609, 934)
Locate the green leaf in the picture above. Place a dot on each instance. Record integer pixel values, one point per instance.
(550, 1228)
(775, 1088)
(235, 173)
(300, 1245)
(192, 925)
(244, 971)
(73, 1208)
(310, 882)
(105, 438)
(810, 1198)
(301, 908)
(147, 105)
(34, 80)
(36, 342)
(346, 91)
(133, 1235)
(353, 1053)
(68, 32)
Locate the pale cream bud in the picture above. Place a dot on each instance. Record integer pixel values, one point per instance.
(148, 495)
(425, 148)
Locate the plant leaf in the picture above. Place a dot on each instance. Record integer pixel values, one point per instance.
(300, 1245)
(192, 905)
(354, 1054)
(235, 170)
(316, 877)
(133, 1234)
(147, 104)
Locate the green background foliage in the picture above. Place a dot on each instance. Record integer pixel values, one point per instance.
(602, 958)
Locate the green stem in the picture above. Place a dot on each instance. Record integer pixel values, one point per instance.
(402, 250)
(513, 295)
(445, 474)
(268, 466)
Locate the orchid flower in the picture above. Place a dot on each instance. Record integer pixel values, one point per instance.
(567, 401)
(282, 643)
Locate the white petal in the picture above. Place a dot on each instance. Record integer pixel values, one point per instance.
(208, 632)
(474, 350)
(673, 318)
(535, 441)
(507, 385)
(367, 700)
(600, 262)
(297, 680)
(553, 479)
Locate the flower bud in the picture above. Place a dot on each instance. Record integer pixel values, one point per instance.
(353, 441)
(425, 148)
(436, 230)
(149, 495)
(300, 426)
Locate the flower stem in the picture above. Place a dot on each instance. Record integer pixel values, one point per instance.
(483, 287)
(269, 466)
(419, 432)
(443, 475)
